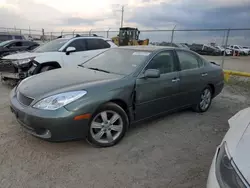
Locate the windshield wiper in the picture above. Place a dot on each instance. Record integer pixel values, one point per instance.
(92, 68)
(80, 65)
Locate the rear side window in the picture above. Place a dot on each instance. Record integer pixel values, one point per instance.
(79, 44)
(187, 60)
(95, 44)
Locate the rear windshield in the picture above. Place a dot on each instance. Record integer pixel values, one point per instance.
(118, 60)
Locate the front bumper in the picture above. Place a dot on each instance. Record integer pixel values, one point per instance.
(212, 181)
(58, 125)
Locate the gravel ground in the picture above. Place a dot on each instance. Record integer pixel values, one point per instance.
(173, 151)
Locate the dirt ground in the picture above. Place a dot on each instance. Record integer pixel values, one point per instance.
(173, 151)
(238, 63)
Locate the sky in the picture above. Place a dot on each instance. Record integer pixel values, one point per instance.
(79, 15)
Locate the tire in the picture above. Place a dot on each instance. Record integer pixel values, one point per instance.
(46, 68)
(101, 128)
(207, 91)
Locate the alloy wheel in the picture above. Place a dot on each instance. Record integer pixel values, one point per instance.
(106, 127)
(205, 99)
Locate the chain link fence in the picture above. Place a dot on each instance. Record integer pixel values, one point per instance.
(213, 37)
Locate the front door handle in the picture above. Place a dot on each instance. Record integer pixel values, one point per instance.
(176, 80)
(204, 74)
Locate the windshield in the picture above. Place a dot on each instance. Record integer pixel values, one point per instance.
(119, 61)
(52, 46)
(5, 43)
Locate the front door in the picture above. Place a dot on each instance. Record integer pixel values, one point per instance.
(157, 95)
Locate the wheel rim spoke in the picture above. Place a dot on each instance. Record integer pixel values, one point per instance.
(104, 116)
(117, 128)
(96, 125)
(114, 118)
(109, 136)
(99, 135)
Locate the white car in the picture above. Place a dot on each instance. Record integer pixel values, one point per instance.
(59, 53)
(231, 167)
(228, 51)
(240, 49)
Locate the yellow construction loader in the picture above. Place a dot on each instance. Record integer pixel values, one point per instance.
(129, 36)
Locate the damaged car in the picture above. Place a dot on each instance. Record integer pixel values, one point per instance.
(101, 98)
(59, 53)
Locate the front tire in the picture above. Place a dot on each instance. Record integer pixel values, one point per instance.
(108, 125)
(204, 101)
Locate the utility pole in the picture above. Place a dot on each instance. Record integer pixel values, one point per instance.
(122, 16)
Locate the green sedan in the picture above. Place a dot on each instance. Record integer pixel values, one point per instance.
(101, 98)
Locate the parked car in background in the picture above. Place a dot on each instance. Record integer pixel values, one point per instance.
(13, 46)
(247, 48)
(59, 53)
(230, 167)
(8, 36)
(177, 45)
(204, 49)
(239, 49)
(101, 98)
(222, 50)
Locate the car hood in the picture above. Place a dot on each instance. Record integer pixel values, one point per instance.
(62, 80)
(238, 141)
(22, 55)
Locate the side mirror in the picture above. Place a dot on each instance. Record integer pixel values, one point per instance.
(152, 73)
(70, 50)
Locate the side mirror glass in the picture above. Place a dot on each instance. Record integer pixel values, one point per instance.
(70, 49)
(152, 73)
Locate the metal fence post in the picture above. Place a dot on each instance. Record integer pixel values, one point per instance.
(50, 36)
(73, 33)
(61, 32)
(108, 33)
(90, 32)
(223, 57)
(172, 36)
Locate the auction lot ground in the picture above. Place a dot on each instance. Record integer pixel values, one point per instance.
(237, 63)
(173, 151)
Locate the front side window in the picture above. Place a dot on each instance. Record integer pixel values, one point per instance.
(79, 45)
(163, 61)
(187, 60)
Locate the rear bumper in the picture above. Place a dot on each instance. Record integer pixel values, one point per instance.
(58, 125)
(218, 88)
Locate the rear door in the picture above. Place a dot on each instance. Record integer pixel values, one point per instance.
(157, 95)
(191, 77)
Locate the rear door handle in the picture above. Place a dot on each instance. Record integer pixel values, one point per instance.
(176, 80)
(204, 74)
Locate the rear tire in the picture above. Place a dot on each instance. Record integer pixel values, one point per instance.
(204, 101)
(108, 125)
(46, 68)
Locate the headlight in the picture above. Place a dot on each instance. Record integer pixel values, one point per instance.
(22, 61)
(57, 101)
(227, 172)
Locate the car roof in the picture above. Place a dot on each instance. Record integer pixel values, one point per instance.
(147, 48)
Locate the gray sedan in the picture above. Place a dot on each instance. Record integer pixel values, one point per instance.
(101, 98)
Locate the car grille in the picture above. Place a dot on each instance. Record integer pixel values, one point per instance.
(7, 66)
(24, 99)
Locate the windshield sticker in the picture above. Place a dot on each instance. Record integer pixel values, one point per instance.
(141, 53)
